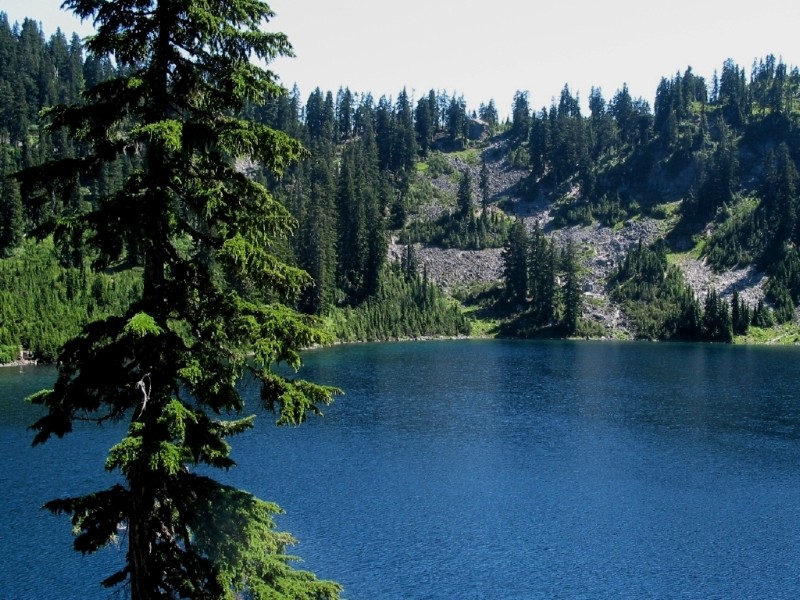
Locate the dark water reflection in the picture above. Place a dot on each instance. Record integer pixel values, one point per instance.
(487, 469)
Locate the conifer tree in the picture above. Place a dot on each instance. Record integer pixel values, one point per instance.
(484, 187)
(542, 276)
(464, 196)
(515, 263)
(12, 223)
(436, 108)
(740, 314)
(457, 119)
(345, 113)
(312, 190)
(520, 117)
(488, 114)
(573, 296)
(404, 144)
(384, 130)
(424, 125)
(216, 301)
(717, 325)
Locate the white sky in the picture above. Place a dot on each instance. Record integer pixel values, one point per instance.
(490, 49)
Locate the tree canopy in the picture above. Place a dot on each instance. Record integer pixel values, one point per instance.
(216, 303)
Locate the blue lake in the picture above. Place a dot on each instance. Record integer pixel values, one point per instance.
(484, 469)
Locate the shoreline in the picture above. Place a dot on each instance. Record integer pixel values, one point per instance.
(741, 341)
(23, 363)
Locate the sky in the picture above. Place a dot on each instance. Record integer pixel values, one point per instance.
(491, 50)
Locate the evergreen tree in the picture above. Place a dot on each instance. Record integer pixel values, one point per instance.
(320, 119)
(424, 125)
(779, 203)
(352, 228)
(740, 314)
(542, 266)
(732, 94)
(404, 145)
(345, 113)
(597, 104)
(215, 301)
(384, 131)
(484, 186)
(97, 69)
(312, 197)
(717, 325)
(761, 315)
(719, 178)
(464, 200)
(604, 134)
(520, 117)
(515, 264)
(436, 113)
(621, 109)
(573, 295)
(488, 114)
(376, 191)
(570, 147)
(409, 263)
(569, 105)
(12, 222)
(539, 143)
(457, 119)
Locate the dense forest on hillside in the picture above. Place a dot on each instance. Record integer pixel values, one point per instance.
(714, 162)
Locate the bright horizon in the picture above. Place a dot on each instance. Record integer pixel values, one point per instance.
(466, 48)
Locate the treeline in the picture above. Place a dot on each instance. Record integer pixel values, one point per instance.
(49, 291)
(663, 306)
(625, 158)
(719, 155)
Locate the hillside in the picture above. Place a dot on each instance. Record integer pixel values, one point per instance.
(603, 247)
(676, 221)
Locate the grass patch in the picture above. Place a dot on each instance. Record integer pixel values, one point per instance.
(471, 156)
(694, 253)
(786, 334)
(481, 327)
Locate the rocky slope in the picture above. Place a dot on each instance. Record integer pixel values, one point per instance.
(601, 248)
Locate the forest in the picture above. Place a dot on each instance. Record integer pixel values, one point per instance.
(713, 162)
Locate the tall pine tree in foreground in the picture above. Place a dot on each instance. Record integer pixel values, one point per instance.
(216, 304)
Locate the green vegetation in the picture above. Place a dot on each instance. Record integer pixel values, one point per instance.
(458, 231)
(784, 334)
(406, 306)
(663, 307)
(542, 295)
(216, 301)
(43, 304)
(715, 160)
(656, 297)
(196, 223)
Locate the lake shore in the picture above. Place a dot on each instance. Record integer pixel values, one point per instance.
(778, 336)
(22, 363)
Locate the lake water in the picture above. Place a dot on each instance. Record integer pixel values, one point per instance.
(485, 469)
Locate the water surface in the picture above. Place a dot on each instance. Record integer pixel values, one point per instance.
(488, 469)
